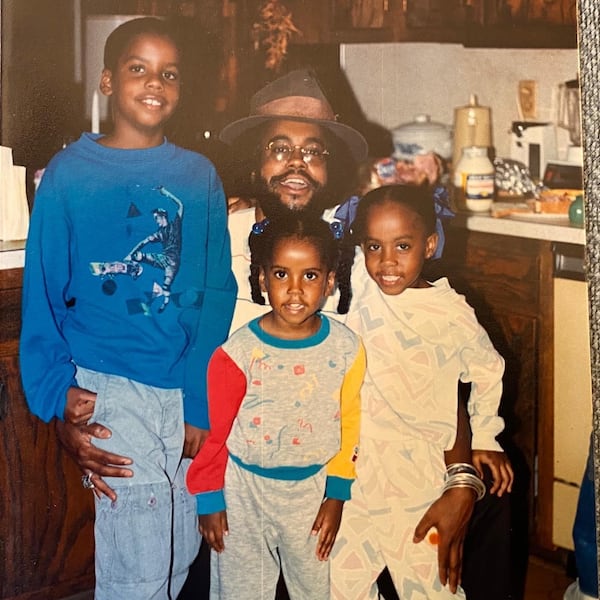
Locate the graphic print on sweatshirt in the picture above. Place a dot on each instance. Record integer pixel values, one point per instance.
(160, 249)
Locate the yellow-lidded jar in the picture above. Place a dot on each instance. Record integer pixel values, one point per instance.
(474, 180)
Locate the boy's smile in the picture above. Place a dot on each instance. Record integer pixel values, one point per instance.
(144, 90)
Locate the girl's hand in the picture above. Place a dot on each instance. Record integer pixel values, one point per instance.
(327, 523)
(80, 406)
(500, 467)
(450, 515)
(194, 439)
(214, 528)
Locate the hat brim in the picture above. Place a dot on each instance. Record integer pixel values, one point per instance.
(354, 140)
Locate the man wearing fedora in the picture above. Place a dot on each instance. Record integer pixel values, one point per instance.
(302, 158)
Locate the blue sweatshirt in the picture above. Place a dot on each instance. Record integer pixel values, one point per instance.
(127, 272)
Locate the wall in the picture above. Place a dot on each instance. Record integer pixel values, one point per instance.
(395, 82)
(38, 93)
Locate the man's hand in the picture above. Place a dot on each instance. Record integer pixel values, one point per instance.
(194, 440)
(327, 524)
(77, 441)
(80, 406)
(214, 528)
(450, 515)
(236, 203)
(500, 468)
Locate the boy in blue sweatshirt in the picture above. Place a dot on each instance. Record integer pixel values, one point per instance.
(127, 291)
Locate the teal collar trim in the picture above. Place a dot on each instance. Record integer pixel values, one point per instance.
(313, 340)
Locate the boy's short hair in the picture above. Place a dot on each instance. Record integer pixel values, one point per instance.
(121, 37)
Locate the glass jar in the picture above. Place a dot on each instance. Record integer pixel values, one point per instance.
(474, 178)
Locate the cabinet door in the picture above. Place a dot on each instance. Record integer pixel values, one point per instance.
(515, 337)
(46, 521)
(550, 12)
(435, 13)
(508, 282)
(46, 517)
(359, 13)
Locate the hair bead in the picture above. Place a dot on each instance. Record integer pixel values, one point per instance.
(337, 229)
(259, 227)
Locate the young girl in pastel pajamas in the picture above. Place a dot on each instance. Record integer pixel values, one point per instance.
(284, 407)
(421, 339)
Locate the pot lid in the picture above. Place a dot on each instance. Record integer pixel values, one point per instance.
(421, 123)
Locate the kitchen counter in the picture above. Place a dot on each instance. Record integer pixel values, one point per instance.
(552, 229)
(12, 254)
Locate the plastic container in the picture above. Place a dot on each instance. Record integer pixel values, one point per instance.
(472, 127)
(474, 179)
(420, 137)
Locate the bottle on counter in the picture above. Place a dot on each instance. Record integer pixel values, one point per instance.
(474, 179)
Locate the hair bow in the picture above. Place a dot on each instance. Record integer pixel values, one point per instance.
(441, 202)
(346, 212)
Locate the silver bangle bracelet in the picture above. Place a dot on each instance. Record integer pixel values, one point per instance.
(456, 468)
(467, 480)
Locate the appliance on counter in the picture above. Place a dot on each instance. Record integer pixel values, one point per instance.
(540, 145)
(569, 118)
(563, 175)
(420, 136)
(534, 144)
(472, 127)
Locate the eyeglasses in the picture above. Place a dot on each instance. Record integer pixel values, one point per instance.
(313, 154)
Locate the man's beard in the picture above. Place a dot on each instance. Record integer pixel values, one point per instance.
(272, 205)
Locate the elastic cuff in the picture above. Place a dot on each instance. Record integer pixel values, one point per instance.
(338, 488)
(485, 442)
(210, 502)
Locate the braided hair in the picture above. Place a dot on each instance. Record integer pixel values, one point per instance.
(288, 224)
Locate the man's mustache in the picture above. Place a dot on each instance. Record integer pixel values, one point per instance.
(290, 173)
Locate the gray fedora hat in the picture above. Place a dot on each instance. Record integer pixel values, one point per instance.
(296, 96)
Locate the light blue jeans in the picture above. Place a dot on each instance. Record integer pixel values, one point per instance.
(148, 538)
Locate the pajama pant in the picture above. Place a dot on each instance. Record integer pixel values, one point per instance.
(269, 521)
(396, 483)
(147, 539)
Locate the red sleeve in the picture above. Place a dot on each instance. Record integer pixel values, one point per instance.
(226, 386)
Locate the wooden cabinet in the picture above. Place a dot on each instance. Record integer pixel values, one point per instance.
(476, 23)
(508, 281)
(46, 517)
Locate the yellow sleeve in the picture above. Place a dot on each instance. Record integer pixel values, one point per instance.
(342, 465)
